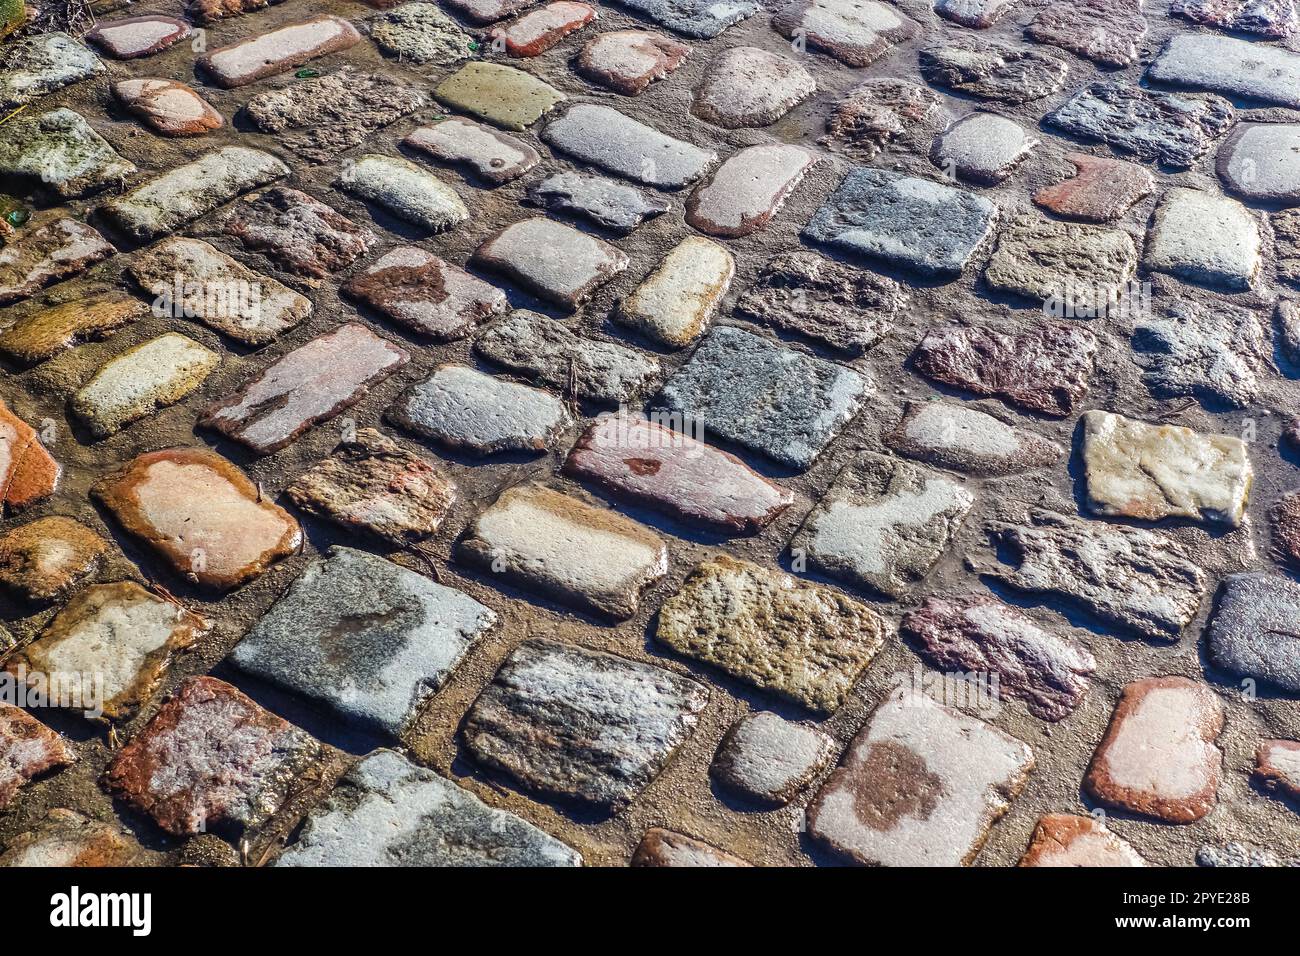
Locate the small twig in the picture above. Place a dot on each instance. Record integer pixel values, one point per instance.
(11, 114)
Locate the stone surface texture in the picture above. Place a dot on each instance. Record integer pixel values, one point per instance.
(1137, 470)
(801, 642)
(583, 555)
(367, 639)
(388, 811)
(580, 725)
(1158, 757)
(883, 524)
(920, 785)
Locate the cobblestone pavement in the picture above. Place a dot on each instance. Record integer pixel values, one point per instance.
(962, 530)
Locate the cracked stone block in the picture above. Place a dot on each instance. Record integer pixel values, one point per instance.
(674, 304)
(747, 87)
(1104, 31)
(982, 148)
(211, 11)
(1044, 368)
(1215, 355)
(627, 61)
(842, 307)
(1175, 129)
(305, 387)
(140, 381)
(648, 464)
(1262, 161)
(373, 486)
(994, 71)
(498, 94)
(1060, 263)
(367, 639)
(168, 107)
(1138, 580)
(547, 352)
(321, 117)
(112, 645)
(135, 37)
(585, 556)
(1286, 235)
(386, 811)
(538, 30)
(468, 411)
(278, 51)
(1203, 238)
(61, 154)
(800, 642)
(855, 33)
(493, 157)
(769, 760)
(965, 439)
(1277, 767)
(914, 223)
(769, 399)
(200, 514)
(39, 331)
(487, 11)
(1158, 757)
(877, 113)
(1233, 67)
(211, 759)
(28, 473)
(297, 232)
(46, 254)
(580, 725)
(616, 143)
(1065, 839)
(702, 19)
(1274, 19)
(551, 260)
(426, 294)
(883, 524)
(1252, 633)
(420, 33)
(41, 64)
(403, 189)
(920, 785)
(616, 206)
(183, 194)
(46, 558)
(747, 190)
(977, 14)
(1101, 190)
(28, 749)
(980, 634)
(660, 847)
(65, 838)
(190, 278)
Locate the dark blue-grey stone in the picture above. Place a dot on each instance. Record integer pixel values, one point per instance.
(366, 638)
(704, 19)
(918, 224)
(1254, 632)
(778, 402)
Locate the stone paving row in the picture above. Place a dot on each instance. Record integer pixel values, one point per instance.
(656, 433)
